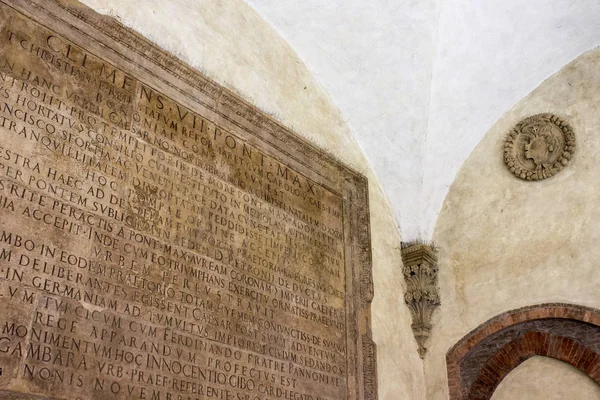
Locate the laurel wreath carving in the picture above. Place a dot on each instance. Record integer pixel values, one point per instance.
(534, 149)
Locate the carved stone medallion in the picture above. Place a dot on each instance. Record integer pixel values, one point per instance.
(538, 147)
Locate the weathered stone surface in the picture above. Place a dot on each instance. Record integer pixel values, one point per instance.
(19, 396)
(539, 147)
(162, 239)
(422, 294)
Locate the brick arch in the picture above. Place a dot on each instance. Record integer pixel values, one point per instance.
(566, 332)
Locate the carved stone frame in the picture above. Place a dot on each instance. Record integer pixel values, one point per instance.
(137, 56)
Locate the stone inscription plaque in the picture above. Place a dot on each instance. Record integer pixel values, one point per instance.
(162, 239)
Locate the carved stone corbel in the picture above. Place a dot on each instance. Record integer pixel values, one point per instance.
(422, 296)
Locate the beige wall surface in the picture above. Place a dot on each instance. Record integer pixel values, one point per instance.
(547, 379)
(505, 243)
(231, 44)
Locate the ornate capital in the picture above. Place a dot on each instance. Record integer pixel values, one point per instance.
(422, 297)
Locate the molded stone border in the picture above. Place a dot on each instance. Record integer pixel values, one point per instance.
(133, 53)
(529, 342)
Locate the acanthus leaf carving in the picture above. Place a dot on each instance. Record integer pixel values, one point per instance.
(422, 296)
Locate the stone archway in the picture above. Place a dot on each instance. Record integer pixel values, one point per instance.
(480, 360)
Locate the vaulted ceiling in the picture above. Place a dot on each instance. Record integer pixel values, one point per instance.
(420, 82)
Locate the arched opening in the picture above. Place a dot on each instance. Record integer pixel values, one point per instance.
(569, 333)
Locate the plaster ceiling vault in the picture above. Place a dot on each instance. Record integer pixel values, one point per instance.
(420, 82)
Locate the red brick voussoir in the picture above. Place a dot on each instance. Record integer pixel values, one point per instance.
(566, 332)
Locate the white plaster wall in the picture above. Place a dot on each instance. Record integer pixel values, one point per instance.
(507, 243)
(375, 59)
(228, 41)
(420, 82)
(548, 379)
(490, 55)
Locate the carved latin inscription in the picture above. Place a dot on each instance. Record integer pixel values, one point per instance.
(155, 250)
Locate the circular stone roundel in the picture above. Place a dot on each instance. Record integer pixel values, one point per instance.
(539, 147)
